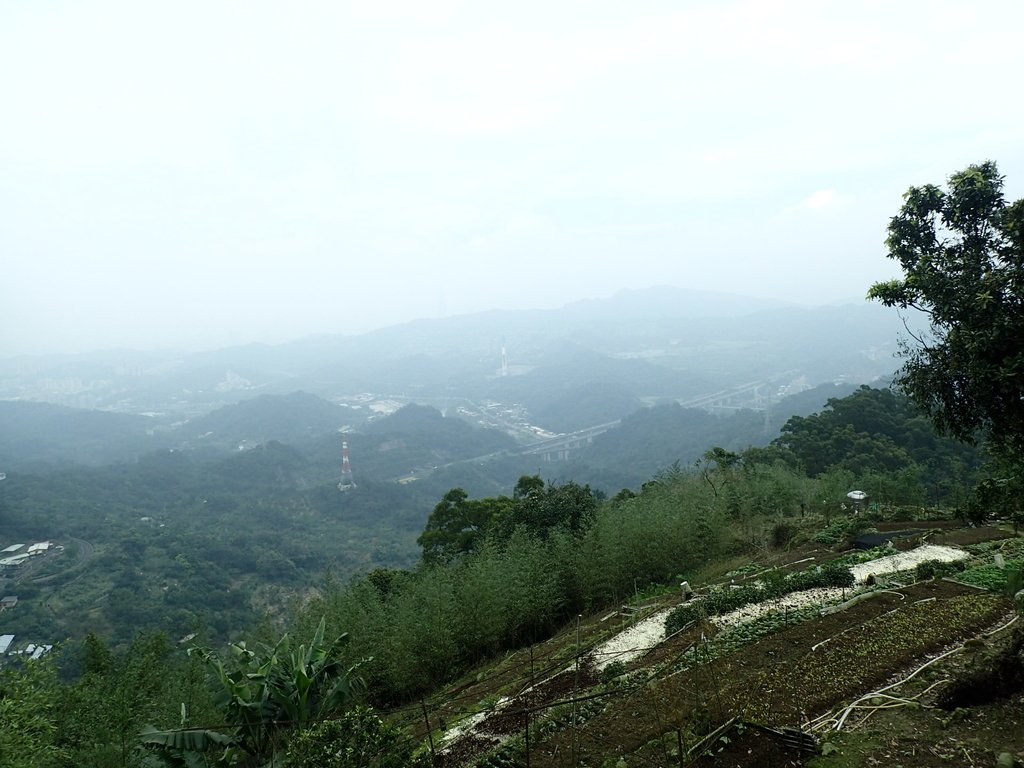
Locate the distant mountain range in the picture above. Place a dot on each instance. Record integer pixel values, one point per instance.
(414, 442)
(587, 363)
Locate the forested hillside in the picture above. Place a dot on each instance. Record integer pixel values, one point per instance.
(208, 561)
(168, 533)
(42, 433)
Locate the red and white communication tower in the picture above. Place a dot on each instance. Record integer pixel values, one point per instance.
(346, 483)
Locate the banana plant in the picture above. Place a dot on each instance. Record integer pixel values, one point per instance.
(265, 693)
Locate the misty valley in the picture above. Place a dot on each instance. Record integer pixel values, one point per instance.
(547, 384)
(204, 487)
(444, 494)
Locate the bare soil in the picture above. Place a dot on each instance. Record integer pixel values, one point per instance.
(750, 748)
(780, 680)
(784, 679)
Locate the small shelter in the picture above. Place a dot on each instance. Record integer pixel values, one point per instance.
(859, 499)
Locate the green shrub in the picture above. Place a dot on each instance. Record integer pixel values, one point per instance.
(833, 535)
(783, 533)
(931, 569)
(835, 575)
(613, 670)
(359, 739)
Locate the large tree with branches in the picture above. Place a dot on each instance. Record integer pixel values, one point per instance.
(962, 254)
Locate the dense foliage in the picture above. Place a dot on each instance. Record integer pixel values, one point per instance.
(878, 435)
(96, 718)
(358, 739)
(515, 585)
(175, 542)
(265, 693)
(495, 573)
(962, 254)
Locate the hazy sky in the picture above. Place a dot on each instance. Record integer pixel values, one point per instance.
(204, 173)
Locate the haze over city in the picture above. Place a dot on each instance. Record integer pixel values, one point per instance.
(200, 174)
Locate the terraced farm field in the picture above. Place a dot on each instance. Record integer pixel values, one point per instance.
(563, 703)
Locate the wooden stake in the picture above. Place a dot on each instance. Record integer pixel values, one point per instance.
(528, 738)
(430, 736)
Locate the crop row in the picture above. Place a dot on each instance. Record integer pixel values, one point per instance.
(774, 584)
(737, 636)
(868, 655)
(991, 576)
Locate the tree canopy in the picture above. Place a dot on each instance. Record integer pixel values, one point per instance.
(962, 254)
(458, 525)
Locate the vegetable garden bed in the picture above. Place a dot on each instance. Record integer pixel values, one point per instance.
(779, 679)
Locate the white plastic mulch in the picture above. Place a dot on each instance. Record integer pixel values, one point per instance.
(903, 561)
(633, 642)
(817, 596)
(465, 725)
(474, 724)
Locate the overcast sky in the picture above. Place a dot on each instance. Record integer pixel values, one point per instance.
(205, 173)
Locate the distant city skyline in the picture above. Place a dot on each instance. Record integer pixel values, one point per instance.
(206, 174)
